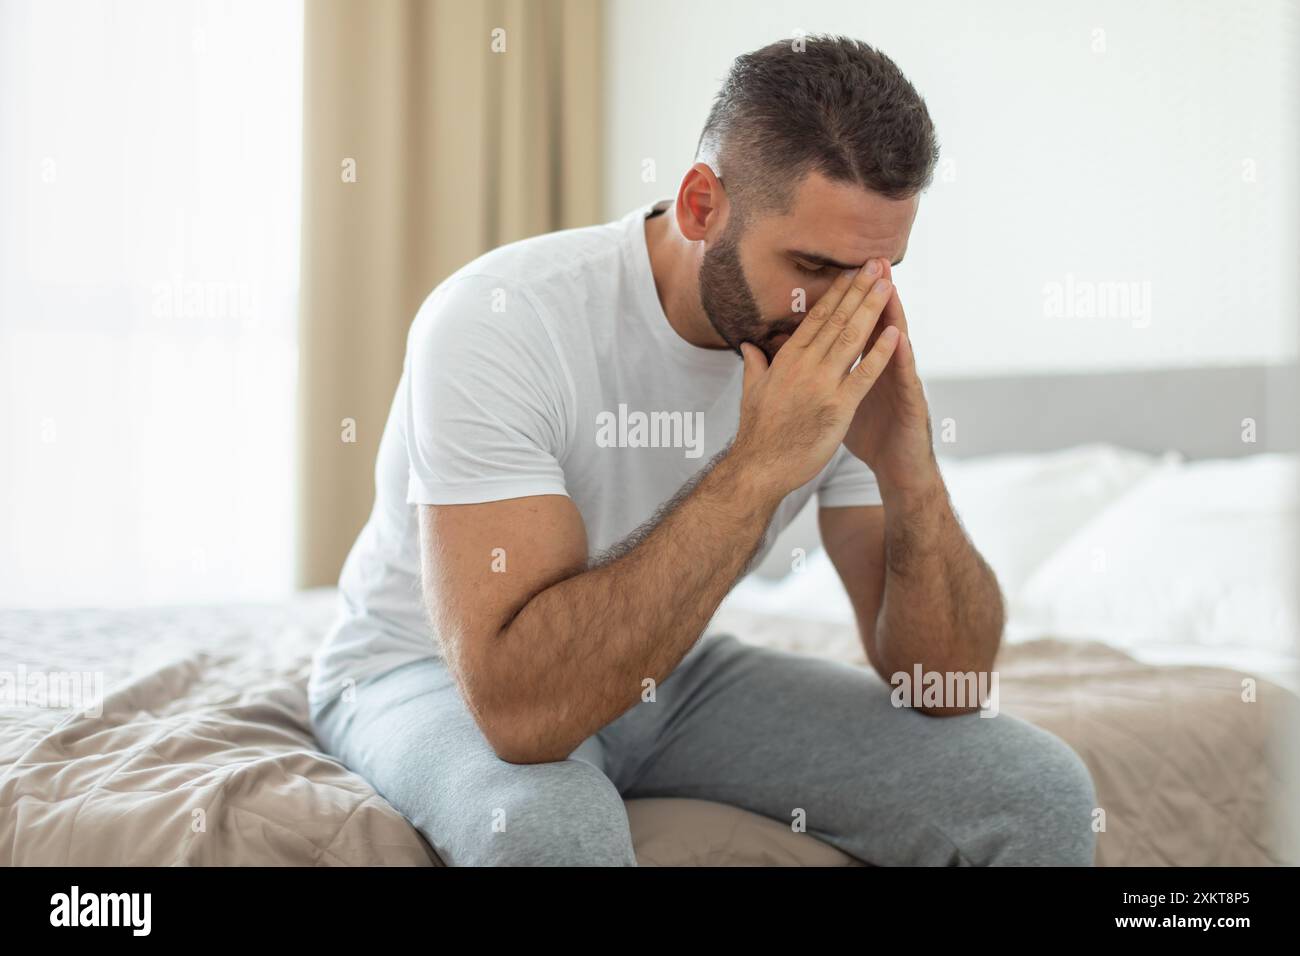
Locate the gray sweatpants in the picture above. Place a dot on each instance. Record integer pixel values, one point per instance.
(771, 731)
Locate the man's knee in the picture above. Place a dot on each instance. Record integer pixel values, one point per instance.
(1041, 805)
(565, 813)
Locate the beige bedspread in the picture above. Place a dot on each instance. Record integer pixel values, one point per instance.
(203, 753)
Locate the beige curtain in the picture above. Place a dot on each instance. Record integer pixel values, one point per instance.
(432, 132)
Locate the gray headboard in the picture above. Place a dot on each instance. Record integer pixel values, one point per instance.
(1196, 411)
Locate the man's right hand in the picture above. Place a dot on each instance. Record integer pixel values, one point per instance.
(794, 413)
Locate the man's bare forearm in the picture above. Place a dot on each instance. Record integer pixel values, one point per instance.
(942, 606)
(577, 654)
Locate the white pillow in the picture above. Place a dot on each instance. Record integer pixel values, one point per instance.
(1200, 553)
(1021, 508)
(815, 593)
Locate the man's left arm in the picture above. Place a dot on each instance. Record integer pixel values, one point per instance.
(921, 592)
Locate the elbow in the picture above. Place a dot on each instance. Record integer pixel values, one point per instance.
(514, 741)
(519, 745)
(508, 724)
(947, 711)
(502, 722)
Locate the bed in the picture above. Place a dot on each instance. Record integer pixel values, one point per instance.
(1152, 628)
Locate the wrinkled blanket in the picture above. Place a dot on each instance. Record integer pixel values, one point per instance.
(202, 753)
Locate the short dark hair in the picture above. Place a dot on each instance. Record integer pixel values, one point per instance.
(828, 104)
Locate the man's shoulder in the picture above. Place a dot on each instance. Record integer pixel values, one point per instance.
(506, 298)
(550, 258)
(536, 294)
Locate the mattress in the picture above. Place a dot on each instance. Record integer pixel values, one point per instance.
(191, 745)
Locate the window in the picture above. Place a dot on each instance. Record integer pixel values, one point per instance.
(149, 182)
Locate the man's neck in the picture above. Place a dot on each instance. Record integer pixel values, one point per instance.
(675, 264)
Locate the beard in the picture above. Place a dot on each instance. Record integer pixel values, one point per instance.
(729, 302)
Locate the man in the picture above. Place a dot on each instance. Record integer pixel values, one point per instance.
(521, 644)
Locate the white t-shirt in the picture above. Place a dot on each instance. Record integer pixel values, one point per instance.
(546, 366)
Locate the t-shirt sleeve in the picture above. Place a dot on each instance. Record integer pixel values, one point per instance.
(488, 395)
(847, 482)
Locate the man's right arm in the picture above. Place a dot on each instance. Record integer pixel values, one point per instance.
(547, 650)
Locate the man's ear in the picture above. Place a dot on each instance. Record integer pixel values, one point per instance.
(701, 204)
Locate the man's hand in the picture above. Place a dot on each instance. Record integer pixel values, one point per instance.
(795, 413)
(890, 431)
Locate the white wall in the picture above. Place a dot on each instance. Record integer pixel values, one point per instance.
(1110, 147)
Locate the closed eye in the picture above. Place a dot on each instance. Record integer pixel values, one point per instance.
(809, 270)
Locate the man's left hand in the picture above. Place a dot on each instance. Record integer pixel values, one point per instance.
(891, 430)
